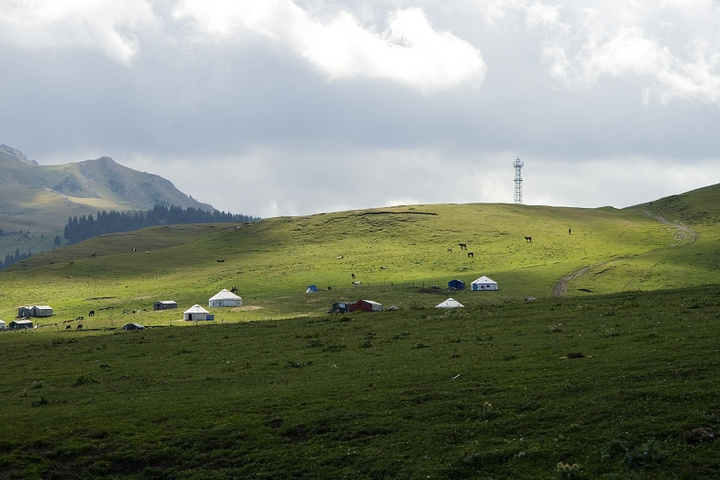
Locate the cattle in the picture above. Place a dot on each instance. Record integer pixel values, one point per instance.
(91, 313)
(220, 260)
(68, 327)
(79, 327)
(355, 284)
(80, 318)
(352, 275)
(463, 246)
(528, 239)
(471, 254)
(449, 250)
(92, 254)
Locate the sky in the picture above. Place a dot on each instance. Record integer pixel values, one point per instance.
(295, 107)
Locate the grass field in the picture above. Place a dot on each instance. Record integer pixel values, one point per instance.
(483, 392)
(279, 389)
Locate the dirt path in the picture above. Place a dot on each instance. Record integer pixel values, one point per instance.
(560, 287)
(682, 234)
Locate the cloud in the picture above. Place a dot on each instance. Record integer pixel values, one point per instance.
(105, 25)
(409, 51)
(664, 50)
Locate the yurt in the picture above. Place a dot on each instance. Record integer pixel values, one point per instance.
(196, 312)
(450, 303)
(484, 283)
(225, 298)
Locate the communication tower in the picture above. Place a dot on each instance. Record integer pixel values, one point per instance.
(518, 179)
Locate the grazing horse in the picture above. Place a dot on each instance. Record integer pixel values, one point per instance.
(463, 246)
(234, 289)
(528, 239)
(352, 275)
(79, 327)
(92, 313)
(471, 254)
(68, 327)
(80, 318)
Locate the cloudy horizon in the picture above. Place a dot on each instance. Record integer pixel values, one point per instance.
(282, 107)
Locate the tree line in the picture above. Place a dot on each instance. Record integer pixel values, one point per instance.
(79, 229)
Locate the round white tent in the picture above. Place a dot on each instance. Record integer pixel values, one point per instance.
(225, 298)
(484, 283)
(196, 312)
(449, 303)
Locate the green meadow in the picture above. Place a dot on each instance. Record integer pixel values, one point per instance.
(611, 371)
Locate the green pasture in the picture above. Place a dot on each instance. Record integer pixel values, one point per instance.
(394, 252)
(487, 391)
(279, 389)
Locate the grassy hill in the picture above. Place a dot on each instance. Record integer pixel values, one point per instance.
(395, 252)
(487, 391)
(39, 199)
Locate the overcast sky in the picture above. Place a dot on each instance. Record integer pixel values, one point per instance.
(291, 107)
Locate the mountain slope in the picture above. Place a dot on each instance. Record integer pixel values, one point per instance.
(692, 259)
(398, 254)
(36, 201)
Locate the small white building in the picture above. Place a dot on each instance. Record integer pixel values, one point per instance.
(450, 303)
(3, 325)
(484, 283)
(196, 312)
(225, 298)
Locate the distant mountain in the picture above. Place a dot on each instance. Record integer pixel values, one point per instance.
(37, 200)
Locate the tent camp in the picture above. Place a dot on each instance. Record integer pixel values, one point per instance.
(164, 305)
(365, 306)
(225, 298)
(484, 283)
(456, 285)
(449, 303)
(311, 288)
(196, 312)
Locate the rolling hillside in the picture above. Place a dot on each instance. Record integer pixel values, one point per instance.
(37, 200)
(398, 254)
(576, 384)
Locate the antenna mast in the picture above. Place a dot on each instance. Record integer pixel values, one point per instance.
(518, 179)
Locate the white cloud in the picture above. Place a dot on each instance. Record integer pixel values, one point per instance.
(409, 51)
(674, 52)
(106, 25)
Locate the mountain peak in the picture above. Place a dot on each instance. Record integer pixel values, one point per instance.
(10, 152)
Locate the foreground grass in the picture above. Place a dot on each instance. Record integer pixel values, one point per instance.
(482, 392)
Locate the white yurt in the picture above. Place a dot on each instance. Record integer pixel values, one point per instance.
(196, 312)
(450, 303)
(225, 298)
(484, 283)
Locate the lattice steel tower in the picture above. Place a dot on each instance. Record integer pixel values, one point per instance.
(518, 179)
